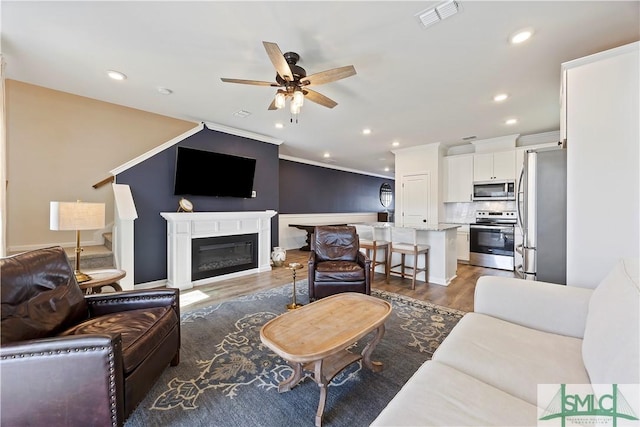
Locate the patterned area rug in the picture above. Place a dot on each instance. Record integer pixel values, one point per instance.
(226, 377)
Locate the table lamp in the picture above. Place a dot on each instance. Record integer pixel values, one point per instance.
(76, 216)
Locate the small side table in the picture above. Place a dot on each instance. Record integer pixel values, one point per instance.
(102, 278)
(294, 266)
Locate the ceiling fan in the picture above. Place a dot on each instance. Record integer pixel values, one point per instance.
(293, 80)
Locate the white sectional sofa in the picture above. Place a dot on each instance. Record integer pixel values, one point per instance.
(521, 334)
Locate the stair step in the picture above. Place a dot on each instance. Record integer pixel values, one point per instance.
(108, 241)
(92, 257)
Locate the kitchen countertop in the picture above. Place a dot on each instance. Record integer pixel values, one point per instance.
(426, 227)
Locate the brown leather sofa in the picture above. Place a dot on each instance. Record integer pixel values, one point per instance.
(336, 263)
(69, 359)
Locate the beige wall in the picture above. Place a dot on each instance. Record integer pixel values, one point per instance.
(58, 146)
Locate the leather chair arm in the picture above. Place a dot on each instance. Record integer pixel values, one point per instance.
(311, 272)
(365, 262)
(100, 304)
(43, 385)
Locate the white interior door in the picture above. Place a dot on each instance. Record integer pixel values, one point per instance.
(415, 199)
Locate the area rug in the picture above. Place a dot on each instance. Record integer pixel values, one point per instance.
(226, 377)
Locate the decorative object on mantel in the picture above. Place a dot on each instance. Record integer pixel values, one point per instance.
(76, 216)
(185, 205)
(278, 256)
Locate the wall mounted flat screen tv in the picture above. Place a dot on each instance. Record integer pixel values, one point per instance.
(205, 173)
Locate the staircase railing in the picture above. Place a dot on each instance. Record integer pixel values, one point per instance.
(124, 214)
(105, 181)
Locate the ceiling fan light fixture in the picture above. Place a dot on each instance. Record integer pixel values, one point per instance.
(298, 98)
(295, 108)
(280, 100)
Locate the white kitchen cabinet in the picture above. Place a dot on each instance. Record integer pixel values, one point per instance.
(601, 124)
(459, 178)
(462, 244)
(496, 166)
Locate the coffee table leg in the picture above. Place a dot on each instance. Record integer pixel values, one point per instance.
(320, 380)
(293, 380)
(366, 353)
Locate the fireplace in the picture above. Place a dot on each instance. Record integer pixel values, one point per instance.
(185, 227)
(216, 256)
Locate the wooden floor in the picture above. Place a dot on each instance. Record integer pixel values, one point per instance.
(458, 295)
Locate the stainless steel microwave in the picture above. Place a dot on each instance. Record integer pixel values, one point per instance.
(494, 190)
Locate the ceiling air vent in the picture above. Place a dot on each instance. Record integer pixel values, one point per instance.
(438, 13)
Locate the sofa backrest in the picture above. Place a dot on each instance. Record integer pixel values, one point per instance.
(336, 243)
(40, 295)
(611, 344)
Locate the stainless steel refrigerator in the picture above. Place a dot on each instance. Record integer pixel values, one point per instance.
(542, 215)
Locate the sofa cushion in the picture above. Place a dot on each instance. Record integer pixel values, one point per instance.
(40, 295)
(141, 330)
(510, 357)
(438, 395)
(611, 338)
(341, 271)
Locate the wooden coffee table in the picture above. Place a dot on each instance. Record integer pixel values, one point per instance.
(316, 336)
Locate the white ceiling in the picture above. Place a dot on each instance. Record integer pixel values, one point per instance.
(414, 85)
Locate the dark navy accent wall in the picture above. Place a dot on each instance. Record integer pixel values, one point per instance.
(307, 188)
(151, 183)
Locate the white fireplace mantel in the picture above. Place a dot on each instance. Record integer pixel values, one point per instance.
(182, 227)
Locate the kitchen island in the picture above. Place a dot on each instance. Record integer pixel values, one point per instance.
(443, 259)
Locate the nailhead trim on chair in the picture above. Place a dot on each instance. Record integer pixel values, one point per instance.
(121, 299)
(112, 378)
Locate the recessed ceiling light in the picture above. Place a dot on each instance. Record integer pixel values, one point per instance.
(386, 169)
(521, 36)
(511, 122)
(165, 91)
(242, 113)
(326, 155)
(366, 131)
(395, 143)
(116, 75)
(500, 97)
(279, 125)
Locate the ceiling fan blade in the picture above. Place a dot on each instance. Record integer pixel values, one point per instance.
(272, 106)
(249, 82)
(277, 58)
(329, 76)
(319, 98)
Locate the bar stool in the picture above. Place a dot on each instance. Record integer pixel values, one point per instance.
(371, 245)
(404, 242)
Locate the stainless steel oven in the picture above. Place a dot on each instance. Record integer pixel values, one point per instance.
(492, 239)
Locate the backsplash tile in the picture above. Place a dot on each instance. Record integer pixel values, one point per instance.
(465, 213)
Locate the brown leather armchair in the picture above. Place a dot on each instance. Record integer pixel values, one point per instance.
(336, 263)
(78, 360)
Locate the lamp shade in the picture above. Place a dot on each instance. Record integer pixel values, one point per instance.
(76, 216)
